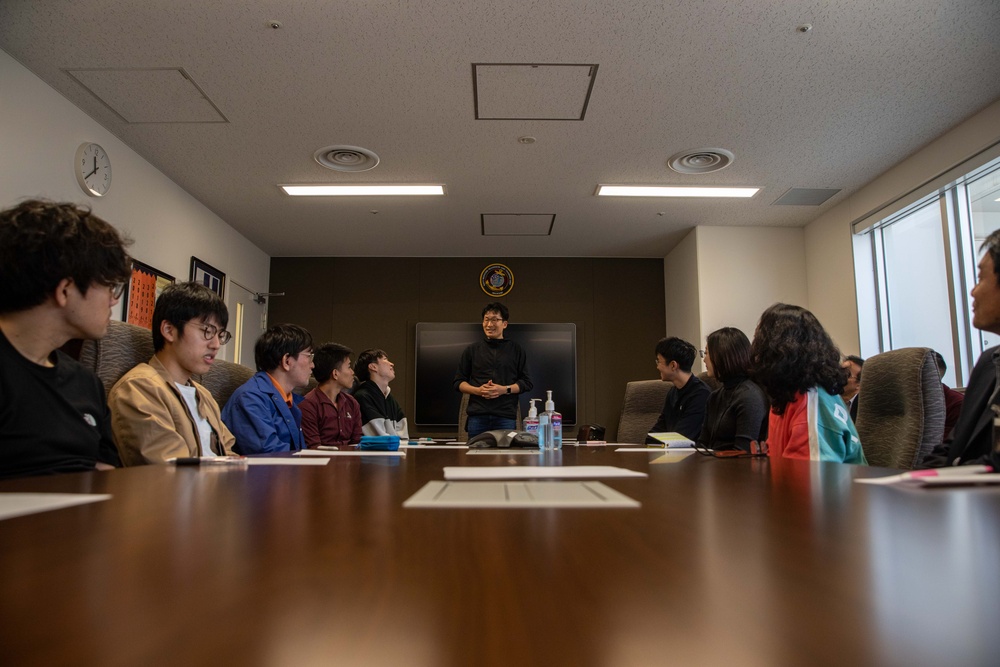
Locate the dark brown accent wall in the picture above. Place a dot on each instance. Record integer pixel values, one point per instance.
(616, 304)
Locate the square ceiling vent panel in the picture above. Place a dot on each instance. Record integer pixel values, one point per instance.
(532, 91)
(805, 197)
(518, 224)
(150, 95)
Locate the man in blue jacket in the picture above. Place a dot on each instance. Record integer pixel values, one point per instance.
(263, 413)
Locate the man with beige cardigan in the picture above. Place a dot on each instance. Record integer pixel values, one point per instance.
(157, 411)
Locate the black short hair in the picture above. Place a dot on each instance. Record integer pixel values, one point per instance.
(729, 349)
(276, 342)
(792, 353)
(43, 243)
(329, 357)
(992, 246)
(369, 356)
(858, 361)
(184, 302)
(497, 307)
(676, 349)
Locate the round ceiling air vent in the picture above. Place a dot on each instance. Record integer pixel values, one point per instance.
(346, 158)
(701, 161)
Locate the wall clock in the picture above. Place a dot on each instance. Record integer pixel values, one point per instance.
(93, 169)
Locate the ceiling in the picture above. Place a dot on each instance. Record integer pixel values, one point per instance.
(833, 107)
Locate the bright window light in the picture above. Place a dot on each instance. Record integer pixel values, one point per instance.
(672, 191)
(361, 190)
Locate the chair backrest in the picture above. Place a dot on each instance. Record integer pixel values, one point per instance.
(223, 379)
(123, 347)
(463, 433)
(641, 408)
(126, 345)
(900, 407)
(709, 381)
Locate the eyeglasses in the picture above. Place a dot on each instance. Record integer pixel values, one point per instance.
(702, 353)
(307, 355)
(492, 320)
(117, 289)
(211, 331)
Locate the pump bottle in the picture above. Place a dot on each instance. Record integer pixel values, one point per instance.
(550, 425)
(531, 422)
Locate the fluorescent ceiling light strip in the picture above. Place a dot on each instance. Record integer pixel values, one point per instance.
(671, 191)
(360, 190)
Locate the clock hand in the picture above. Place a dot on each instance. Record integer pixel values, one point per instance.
(91, 173)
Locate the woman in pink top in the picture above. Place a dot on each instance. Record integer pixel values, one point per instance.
(797, 364)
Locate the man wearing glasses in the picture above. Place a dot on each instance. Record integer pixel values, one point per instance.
(157, 411)
(263, 413)
(61, 271)
(492, 371)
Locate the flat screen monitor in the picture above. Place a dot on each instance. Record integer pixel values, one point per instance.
(551, 363)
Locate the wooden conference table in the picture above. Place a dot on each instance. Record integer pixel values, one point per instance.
(728, 562)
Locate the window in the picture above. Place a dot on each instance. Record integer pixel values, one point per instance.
(914, 270)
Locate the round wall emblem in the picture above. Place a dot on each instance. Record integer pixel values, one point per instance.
(496, 280)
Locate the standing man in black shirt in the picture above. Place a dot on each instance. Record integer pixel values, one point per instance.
(492, 372)
(61, 271)
(684, 408)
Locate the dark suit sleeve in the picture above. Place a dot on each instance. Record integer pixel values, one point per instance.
(464, 372)
(523, 380)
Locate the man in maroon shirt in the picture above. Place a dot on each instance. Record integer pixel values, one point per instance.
(952, 399)
(331, 416)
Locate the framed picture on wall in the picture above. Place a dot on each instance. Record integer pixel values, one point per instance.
(209, 276)
(140, 293)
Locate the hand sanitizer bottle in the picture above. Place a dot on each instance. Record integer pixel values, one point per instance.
(531, 422)
(554, 441)
(544, 431)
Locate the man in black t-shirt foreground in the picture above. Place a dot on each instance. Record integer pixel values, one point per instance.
(61, 271)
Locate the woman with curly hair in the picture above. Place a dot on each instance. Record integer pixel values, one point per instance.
(797, 364)
(737, 411)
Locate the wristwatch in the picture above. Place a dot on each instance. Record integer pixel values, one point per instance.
(508, 389)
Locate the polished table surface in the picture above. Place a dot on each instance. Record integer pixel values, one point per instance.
(727, 562)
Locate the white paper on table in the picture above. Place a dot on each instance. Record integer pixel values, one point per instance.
(537, 472)
(347, 452)
(275, 461)
(514, 495)
(20, 504)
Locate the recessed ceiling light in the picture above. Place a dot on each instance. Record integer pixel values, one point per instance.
(997, 199)
(672, 191)
(360, 190)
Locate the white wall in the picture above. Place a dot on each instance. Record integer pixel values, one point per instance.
(727, 276)
(828, 245)
(41, 131)
(681, 293)
(744, 270)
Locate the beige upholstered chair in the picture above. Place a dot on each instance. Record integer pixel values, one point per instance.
(641, 408)
(126, 345)
(709, 381)
(900, 407)
(463, 433)
(123, 347)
